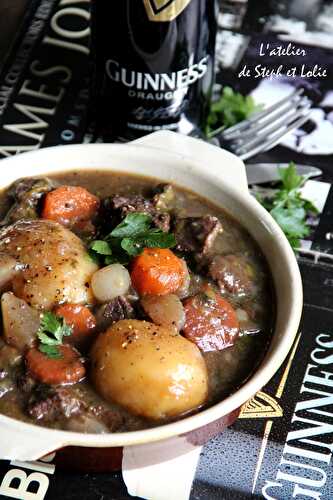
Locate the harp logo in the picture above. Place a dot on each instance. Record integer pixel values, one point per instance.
(262, 405)
(164, 10)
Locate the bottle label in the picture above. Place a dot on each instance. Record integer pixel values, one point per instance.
(154, 98)
(156, 86)
(164, 10)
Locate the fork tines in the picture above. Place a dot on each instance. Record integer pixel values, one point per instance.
(265, 129)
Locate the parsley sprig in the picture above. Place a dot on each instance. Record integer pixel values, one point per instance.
(50, 334)
(230, 109)
(288, 207)
(129, 238)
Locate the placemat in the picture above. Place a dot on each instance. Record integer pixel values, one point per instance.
(281, 446)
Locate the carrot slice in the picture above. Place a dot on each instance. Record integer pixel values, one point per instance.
(211, 322)
(69, 205)
(157, 271)
(69, 369)
(82, 321)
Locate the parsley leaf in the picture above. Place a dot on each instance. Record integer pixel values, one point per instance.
(51, 332)
(231, 108)
(287, 206)
(101, 247)
(129, 239)
(291, 221)
(133, 224)
(289, 177)
(134, 246)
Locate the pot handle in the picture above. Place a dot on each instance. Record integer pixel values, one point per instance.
(26, 445)
(220, 162)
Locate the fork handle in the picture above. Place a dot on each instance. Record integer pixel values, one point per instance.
(218, 161)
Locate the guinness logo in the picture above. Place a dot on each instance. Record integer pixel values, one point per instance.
(261, 406)
(164, 10)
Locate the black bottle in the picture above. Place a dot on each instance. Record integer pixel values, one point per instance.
(154, 65)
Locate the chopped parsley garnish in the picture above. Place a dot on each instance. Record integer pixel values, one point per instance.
(129, 239)
(288, 207)
(101, 247)
(231, 108)
(134, 224)
(50, 334)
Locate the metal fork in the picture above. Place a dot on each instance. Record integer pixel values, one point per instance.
(265, 129)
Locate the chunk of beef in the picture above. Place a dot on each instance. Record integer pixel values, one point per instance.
(85, 230)
(130, 204)
(113, 311)
(25, 383)
(34, 187)
(197, 234)
(48, 403)
(233, 274)
(113, 420)
(26, 194)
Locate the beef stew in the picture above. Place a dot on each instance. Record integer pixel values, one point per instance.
(126, 304)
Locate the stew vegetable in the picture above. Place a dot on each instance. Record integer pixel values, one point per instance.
(125, 303)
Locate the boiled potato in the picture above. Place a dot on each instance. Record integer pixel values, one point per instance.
(55, 266)
(150, 370)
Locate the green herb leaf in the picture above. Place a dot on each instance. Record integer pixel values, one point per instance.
(129, 239)
(113, 259)
(309, 207)
(133, 224)
(291, 221)
(101, 247)
(230, 109)
(51, 332)
(288, 207)
(289, 177)
(134, 246)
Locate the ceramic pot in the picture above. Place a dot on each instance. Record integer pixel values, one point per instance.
(219, 176)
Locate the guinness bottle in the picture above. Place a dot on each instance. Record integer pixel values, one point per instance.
(154, 65)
